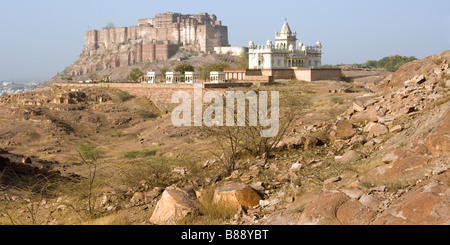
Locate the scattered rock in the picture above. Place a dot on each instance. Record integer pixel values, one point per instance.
(322, 210)
(389, 158)
(332, 180)
(421, 79)
(357, 140)
(174, 205)
(282, 177)
(386, 119)
(370, 201)
(349, 156)
(343, 130)
(296, 167)
(179, 170)
(26, 160)
(290, 199)
(311, 141)
(281, 218)
(358, 106)
(425, 205)
(152, 195)
(235, 174)
(137, 198)
(353, 193)
(353, 212)
(245, 177)
(259, 186)
(264, 203)
(396, 129)
(237, 194)
(410, 109)
(378, 130)
(368, 127)
(378, 189)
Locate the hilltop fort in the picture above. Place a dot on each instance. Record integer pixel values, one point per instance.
(157, 38)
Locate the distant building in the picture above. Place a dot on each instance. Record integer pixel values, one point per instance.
(285, 53)
(154, 77)
(192, 77)
(217, 77)
(235, 51)
(173, 77)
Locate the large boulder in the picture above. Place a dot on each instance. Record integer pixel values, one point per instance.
(378, 130)
(174, 205)
(349, 157)
(322, 210)
(353, 212)
(403, 170)
(425, 205)
(370, 114)
(343, 130)
(236, 194)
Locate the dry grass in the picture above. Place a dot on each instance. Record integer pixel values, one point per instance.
(112, 219)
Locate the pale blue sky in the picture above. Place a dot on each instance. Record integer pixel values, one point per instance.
(40, 38)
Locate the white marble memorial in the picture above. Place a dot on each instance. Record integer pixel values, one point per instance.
(285, 53)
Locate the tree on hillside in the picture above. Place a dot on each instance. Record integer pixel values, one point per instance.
(164, 70)
(183, 67)
(220, 66)
(93, 76)
(110, 25)
(390, 63)
(242, 61)
(89, 155)
(136, 74)
(371, 63)
(206, 68)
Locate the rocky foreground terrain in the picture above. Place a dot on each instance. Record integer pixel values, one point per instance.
(371, 152)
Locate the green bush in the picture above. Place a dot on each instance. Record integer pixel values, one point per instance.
(124, 96)
(242, 61)
(337, 100)
(136, 74)
(205, 68)
(390, 63)
(346, 79)
(183, 67)
(136, 154)
(90, 152)
(146, 114)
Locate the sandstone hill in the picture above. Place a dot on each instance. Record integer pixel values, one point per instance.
(374, 151)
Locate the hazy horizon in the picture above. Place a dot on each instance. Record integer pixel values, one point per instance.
(41, 38)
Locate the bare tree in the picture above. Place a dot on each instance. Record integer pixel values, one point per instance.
(231, 141)
(228, 141)
(89, 156)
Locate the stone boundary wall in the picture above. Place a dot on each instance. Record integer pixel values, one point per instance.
(159, 94)
(250, 76)
(279, 73)
(305, 74)
(325, 74)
